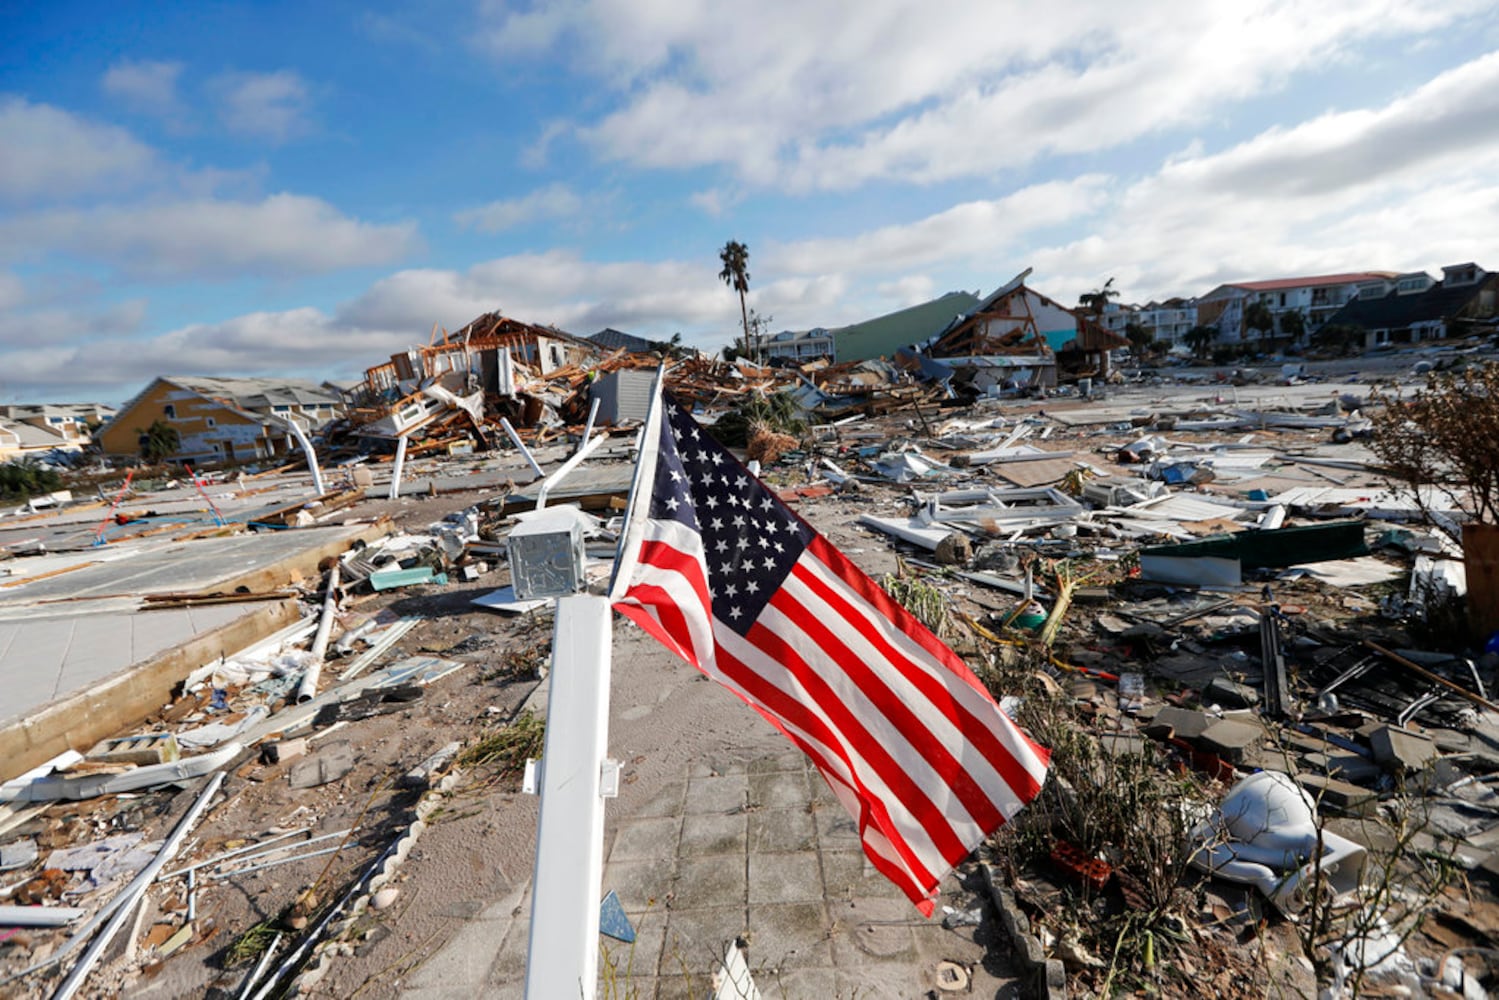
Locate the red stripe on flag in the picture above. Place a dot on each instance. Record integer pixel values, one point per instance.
(873, 594)
(973, 729)
(852, 731)
(670, 624)
(931, 747)
(786, 713)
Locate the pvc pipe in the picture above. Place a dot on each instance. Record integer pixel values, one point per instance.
(521, 446)
(307, 690)
(563, 951)
(306, 443)
(395, 472)
(38, 916)
(567, 467)
(259, 970)
(132, 893)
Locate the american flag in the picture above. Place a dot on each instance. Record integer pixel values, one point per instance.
(730, 579)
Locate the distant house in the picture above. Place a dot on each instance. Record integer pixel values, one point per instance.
(221, 419)
(611, 339)
(797, 345)
(1018, 337)
(1414, 307)
(1315, 298)
(23, 440)
(43, 427)
(882, 336)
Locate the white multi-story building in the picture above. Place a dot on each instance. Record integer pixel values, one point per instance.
(798, 345)
(1315, 298)
(1167, 321)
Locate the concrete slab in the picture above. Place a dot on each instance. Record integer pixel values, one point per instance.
(81, 660)
(695, 870)
(169, 567)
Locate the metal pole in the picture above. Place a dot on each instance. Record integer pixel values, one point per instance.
(521, 446)
(395, 472)
(562, 958)
(306, 443)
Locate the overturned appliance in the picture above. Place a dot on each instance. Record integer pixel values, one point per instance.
(1265, 834)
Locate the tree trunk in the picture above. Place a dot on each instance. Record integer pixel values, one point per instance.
(744, 316)
(1481, 562)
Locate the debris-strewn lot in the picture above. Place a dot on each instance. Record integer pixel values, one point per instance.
(1271, 715)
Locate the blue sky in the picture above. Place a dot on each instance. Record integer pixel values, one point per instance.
(302, 189)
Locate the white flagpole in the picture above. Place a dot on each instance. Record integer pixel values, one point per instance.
(636, 509)
(563, 951)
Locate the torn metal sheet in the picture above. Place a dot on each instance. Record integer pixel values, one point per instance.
(1437, 579)
(1200, 571)
(505, 601)
(1182, 507)
(907, 529)
(1361, 572)
(421, 670)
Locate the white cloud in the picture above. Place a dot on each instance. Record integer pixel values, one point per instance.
(49, 153)
(558, 287)
(555, 201)
(282, 235)
(910, 290)
(790, 93)
(146, 85)
(272, 106)
(1413, 184)
(973, 230)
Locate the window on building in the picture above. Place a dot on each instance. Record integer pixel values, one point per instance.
(281, 409)
(169, 411)
(212, 422)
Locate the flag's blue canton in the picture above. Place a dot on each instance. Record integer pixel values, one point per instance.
(750, 538)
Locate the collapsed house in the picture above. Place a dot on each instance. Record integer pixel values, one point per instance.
(221, 419)
(1015, 339)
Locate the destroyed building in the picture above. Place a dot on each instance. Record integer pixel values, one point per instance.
(221, 419)
(1017, 338)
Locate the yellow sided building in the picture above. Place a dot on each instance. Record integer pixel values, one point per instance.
(222, 419)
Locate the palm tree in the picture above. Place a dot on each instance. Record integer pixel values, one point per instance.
(159, 442)
(1139, 338)
(1293, 325)
(1259, 318)
(1096, 300)
(735, 274)
(1198, 338)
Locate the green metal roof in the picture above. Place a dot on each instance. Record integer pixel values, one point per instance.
(881, 336)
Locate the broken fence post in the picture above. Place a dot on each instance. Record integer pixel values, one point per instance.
(307, 449)
(521, 447)
(397, 468)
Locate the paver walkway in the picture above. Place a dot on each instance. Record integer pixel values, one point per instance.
(755, 848)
